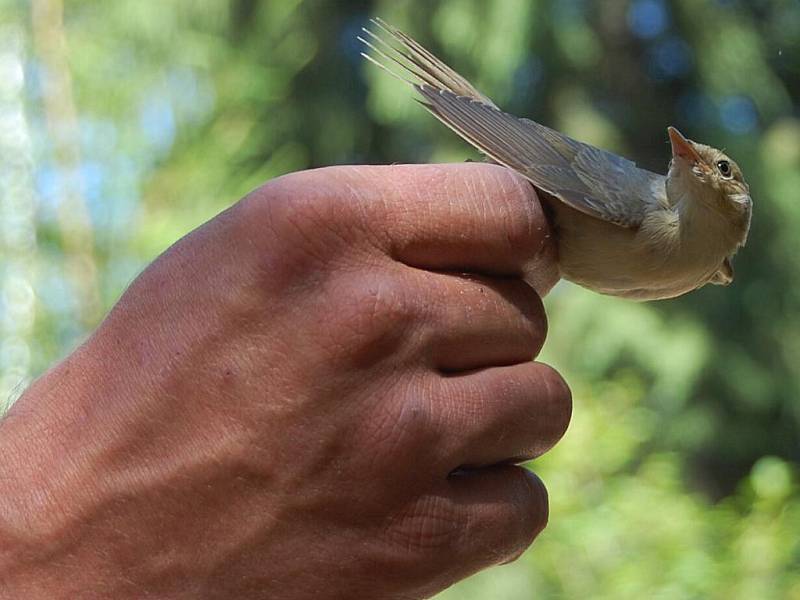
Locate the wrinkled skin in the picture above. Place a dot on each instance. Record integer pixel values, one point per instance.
(277, 405)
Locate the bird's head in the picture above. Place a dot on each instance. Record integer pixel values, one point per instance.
(700, 173)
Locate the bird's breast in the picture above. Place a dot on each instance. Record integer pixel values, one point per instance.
(664, 257)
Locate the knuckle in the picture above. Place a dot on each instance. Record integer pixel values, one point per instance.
(559, 400)
(298, 201)
(398, 427)
(428, 525)
(309, 212)
(533, 411)
(526, 221)
(522, 308)
(517, 522)
(501, 530)
(374, 314)
(532, 514)
(538, 316)
(535, 318)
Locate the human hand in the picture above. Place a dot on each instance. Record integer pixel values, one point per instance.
(319, 393)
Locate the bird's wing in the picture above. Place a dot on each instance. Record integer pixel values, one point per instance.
(593, 181)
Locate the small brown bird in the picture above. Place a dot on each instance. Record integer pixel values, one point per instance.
(621, 230)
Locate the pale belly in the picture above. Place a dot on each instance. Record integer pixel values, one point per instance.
(617, 261)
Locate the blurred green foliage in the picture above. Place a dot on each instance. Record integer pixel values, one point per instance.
(125, 124)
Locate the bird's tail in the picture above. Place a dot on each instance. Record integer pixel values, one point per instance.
(401, 52)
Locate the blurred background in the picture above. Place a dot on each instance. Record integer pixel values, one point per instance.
(125, 124)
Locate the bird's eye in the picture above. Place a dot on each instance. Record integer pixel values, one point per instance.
(725, 169)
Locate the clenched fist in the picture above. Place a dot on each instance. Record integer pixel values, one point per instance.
(321, 393)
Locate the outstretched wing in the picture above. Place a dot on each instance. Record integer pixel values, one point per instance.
(594, 181)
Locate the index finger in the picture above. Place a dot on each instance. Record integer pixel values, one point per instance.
(474, 217)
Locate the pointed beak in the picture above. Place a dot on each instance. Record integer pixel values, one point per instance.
(683, 148)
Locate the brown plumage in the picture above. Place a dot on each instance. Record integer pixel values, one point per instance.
(622, 230)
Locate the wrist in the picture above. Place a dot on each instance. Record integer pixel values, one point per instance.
(48, 490)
